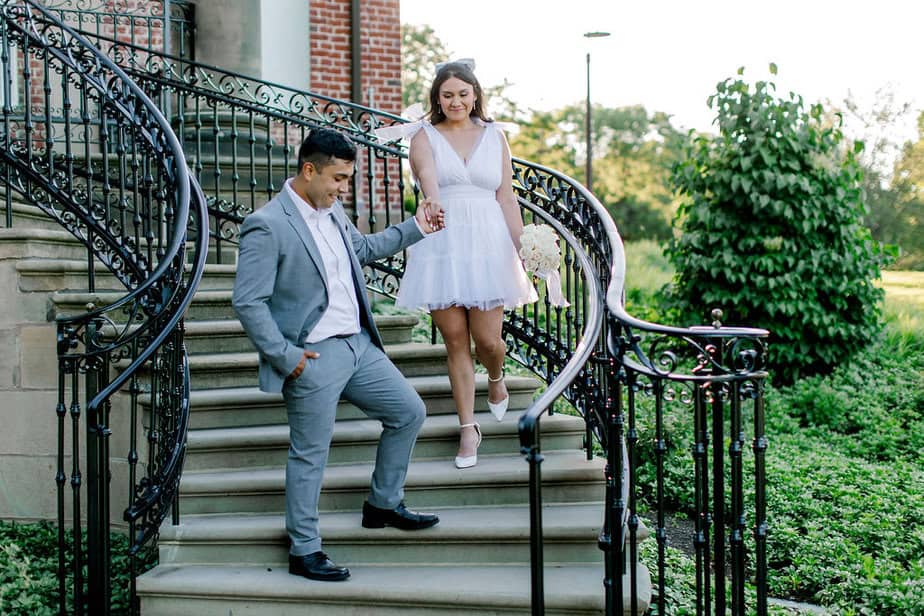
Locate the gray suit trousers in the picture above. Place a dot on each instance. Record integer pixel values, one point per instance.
(360, 372)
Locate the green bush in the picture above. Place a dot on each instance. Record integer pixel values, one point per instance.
(29, 569)
(871, 409)
(772, 231)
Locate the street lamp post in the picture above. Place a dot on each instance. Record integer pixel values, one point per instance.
(588, 121)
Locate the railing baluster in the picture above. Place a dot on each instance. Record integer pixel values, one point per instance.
(60, 478)
(701, 500)
(735, 451)
(67, 107)
(660, 451)
(268, 149)
(216, 153)
(86, 119)
(252, 142)
(28, 125)
(6, 58)
(717, 395)
(71, 367)
(760, 502)
(537, 585)
(386, 185)
(633, 519)
(49, 132)
(370, 190)
(134, 390)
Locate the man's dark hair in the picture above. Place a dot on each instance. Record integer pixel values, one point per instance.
(322, 146)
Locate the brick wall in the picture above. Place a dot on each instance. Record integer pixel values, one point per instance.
(380, 47)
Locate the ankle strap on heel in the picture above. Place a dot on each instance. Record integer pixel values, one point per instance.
(498, 379)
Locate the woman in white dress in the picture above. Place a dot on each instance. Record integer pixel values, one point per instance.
(466, 274)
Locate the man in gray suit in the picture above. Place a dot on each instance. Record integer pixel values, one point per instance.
(299, 294)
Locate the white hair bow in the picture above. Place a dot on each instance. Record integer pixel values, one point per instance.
(396, 132)
(468, 63)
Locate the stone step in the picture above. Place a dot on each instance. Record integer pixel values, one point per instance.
(567, 477)
(572, 590)
(25, 243)
(227, 336)
(486, 535)
(70, 275)
(248, 406)
(30, 216)
(219, 178)
(219, 370)
(356, 441)
(207, 305)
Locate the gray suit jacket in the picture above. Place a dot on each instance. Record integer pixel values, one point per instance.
(280, 291)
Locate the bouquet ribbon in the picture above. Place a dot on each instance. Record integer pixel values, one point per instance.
(553, 288)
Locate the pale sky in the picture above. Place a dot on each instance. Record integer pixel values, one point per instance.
(668, 55)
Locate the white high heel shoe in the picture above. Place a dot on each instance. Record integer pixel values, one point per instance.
(472, 460)
(498, 409)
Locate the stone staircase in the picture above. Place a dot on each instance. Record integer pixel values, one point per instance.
(228, 555)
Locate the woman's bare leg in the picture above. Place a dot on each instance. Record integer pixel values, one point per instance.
(453, 324)
(486, 331)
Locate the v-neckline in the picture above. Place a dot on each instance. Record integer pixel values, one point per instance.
(465, 161)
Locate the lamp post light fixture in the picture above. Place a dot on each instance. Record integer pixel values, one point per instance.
(588, 122)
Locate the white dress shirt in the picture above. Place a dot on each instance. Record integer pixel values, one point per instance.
(342, 314)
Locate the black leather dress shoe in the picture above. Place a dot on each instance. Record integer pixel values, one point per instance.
(317, 566)
(399, 517)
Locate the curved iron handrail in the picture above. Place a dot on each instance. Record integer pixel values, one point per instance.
(161, 204)
(575, 218)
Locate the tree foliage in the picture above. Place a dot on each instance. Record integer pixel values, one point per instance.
(893, 174)
(908, 213)
(634, 149)
(421, 49)
(773, 232)
(633, 153)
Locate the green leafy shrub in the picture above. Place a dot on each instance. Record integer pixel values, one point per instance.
(845, 532)
(29, 569)
(871, 408)
(772, 230)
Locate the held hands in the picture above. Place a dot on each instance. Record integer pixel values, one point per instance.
(430, 215)
(301, 365)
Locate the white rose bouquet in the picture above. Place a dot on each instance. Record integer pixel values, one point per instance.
(541, 256)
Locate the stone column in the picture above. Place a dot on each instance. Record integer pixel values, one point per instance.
(266, 39)
(228, 35)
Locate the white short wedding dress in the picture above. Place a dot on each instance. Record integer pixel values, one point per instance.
(472, 262)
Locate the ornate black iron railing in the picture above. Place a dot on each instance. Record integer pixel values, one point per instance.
(712, 371)
(110, 171)
(162, 25)
(240, 135)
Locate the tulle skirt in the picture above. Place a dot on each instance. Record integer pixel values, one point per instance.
(470, 263)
